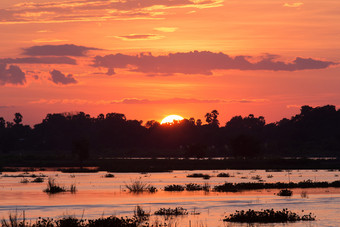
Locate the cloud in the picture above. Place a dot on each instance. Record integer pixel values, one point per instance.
(136, 101)
(183, 101)
(12, 75)
(39, 60)
(203, 62)
(95, 10)
(166, 29)
(133, 37)
(58, 78)
(293, 5)
(58, 50)
(48, 40)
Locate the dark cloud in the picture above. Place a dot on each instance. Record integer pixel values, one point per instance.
(58, 50)
(12, 75)
(203, 62)
(59, 78)
(40, 60)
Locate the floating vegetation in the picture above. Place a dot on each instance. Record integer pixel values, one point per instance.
(285, 192)
(193, 187)
(270, 176)
(174, 188)
(139, 187)
(223, 175)
(175, 212)
(267, 216)
(109, 175)
(230, 187)
(199, 175)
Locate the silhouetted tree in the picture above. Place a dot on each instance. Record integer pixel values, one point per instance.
(198, 122)
(2, 122)
(17, 118)
(211, 118)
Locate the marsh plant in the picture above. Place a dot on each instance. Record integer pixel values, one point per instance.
(199, 175)
(174, 212)
(285, 192)
(53, 187)
(140, 214)
(223, 175)
(267, 216)
(109, 175)
(139, 187)
(174, 187)
(38, 180)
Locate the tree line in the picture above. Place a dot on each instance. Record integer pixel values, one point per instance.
(312, 132)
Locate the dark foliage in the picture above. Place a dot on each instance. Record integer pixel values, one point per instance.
(312, 132)
(267, 216)
(285, 192)
(175, 212)
(230, 187)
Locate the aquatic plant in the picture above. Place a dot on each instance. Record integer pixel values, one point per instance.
(230, 187)
(139, 186)
(174, 187)
(175, 212)
(267, 216)
(109, 175)
(53, 187)
(38, 180)
(285, 192)
(24, 181)
(140, 214)
(14, 220)
(73, 188)
(223, 175)
(199, 175)
(193, 187)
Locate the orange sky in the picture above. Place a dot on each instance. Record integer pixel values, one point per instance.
(185, 57)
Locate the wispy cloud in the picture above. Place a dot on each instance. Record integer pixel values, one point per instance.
(166, 29)
(203, 62)
(59, 78)
(293, 5)
(49, 40)
(95, 10)
(11, 75)
(184, 101)
(133, 37)
(136, 101)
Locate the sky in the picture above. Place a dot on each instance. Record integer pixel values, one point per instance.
(151, 58)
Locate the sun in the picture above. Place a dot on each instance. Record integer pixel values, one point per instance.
(171, 118)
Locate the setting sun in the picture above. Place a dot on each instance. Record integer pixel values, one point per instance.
(171, 118)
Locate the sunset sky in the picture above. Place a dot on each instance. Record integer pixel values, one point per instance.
(152, 58)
